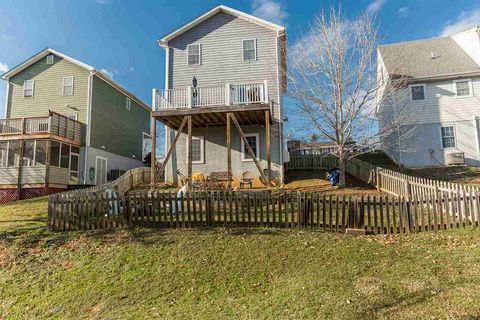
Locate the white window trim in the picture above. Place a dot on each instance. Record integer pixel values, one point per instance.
(96, 171)
(199, 54)
(25, 88)
(257, 136)
(128, 104)
(454, 136)
(50, 58)
(202, 150)
(424, 85)
(470, 88)
(254, 47)
(64, 86)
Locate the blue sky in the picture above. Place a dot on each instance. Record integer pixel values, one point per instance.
(120, 36)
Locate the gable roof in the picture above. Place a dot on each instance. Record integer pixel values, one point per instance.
(430, 58)
(239, 14)
(47, 51)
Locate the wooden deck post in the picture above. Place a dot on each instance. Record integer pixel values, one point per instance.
(267, 138)
(20, 168)
(172, 147)
(153, 160)
(229, 152)
(249, 148)
(47, 163)
(189, 160)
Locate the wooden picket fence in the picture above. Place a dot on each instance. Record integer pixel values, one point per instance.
(377, 214)
(312, 162)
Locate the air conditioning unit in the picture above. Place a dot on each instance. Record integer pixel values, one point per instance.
(456, 159)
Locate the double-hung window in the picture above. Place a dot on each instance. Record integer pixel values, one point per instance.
(28, 88)
(463, 88)
(249, 49)
(448, 137)
(194, 52)
(254, 142)
(198, 149)
(417, 92)
(68, 86)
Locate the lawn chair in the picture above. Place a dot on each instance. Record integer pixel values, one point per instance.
(247, 179)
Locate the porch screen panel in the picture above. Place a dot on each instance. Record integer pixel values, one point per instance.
(55, 154)
(13, 154)
(65, 156)
(3, 154)
(41, 153)
(28, 153)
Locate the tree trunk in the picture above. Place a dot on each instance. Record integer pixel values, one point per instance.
(341, 166)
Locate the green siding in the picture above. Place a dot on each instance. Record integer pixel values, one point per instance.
(113, 126)
(48, 94)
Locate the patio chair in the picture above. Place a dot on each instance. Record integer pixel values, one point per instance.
(247, 179)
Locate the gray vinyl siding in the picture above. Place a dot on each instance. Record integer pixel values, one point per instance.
(59, 175)
(221, 38)
(8, 176)
(30, 175)
(48, 92)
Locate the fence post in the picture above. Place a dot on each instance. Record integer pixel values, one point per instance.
(379, 180)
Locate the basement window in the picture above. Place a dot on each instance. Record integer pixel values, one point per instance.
(254, 142)
(198, 150)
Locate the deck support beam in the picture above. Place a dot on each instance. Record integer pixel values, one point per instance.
(249, 148)
(170, 150)
(267, 139)
(229, 152)
(189, 157)
(153, 160)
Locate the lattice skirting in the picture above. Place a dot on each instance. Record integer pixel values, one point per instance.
(11, 194)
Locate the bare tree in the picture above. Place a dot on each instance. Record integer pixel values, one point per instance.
(332, 80)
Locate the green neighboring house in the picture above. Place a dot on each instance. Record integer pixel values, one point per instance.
(66, 124)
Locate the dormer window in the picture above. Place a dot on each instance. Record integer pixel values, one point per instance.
(194, 54)
(50, 59)
(249, 49)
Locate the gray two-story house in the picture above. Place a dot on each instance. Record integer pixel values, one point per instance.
(222, 102)
(438, 109)
(66, 124)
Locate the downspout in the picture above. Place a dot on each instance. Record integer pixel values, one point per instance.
(477, 128)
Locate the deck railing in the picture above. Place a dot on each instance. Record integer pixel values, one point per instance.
(220, 95)
(55, 124)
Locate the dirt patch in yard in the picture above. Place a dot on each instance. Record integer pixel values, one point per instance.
(317, 181)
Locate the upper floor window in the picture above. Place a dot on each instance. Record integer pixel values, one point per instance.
(128, 104)
(28, 88)
(68, 86)
(194, 54)
(249, 49)
(50, 59)
(463, 87)
(253, 141)
(417, 92)
(448, 137)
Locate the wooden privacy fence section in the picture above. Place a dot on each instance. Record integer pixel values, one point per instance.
(126, 182)
(379, 215)
(312, 162)
(399, 184)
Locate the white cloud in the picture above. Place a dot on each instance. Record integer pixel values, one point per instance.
(375, 6)
(466, 20)
(3, 67)
(102, 1)
(270, 10)
(107, 72)
(131, 69)
(403, 11)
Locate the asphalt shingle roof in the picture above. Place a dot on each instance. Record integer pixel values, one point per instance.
(413, 59)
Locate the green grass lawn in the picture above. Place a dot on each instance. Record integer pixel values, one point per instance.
(220, 273)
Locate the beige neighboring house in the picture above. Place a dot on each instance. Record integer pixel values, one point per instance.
(66, 124)
(224, 63)
(440, 104)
